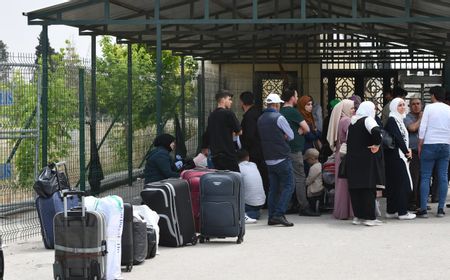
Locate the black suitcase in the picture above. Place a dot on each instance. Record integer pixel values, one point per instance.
(222, 208)
(127, 238)
(140, 243)
(2, 260)
(172, 201)
(151, 243)
(80, 243)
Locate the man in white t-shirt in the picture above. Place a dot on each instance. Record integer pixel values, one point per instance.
(254, 195)
(434, 149)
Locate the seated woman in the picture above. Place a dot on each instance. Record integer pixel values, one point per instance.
(159, 165)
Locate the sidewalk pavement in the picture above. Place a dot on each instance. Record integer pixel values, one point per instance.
(315, 248)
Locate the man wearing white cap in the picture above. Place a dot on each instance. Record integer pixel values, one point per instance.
(275, 132)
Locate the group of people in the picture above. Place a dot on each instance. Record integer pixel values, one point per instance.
(277, 152)
(419, 143)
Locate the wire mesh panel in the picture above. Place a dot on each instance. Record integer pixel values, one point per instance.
(19, 145)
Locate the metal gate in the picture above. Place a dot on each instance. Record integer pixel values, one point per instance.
(368, 84)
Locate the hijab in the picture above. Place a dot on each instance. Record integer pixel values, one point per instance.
(164, 140)
(342, 109)
(356, 99)
(308, 116)
(365, 109)
(393, 107)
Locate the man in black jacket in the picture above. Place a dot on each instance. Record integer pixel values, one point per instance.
(250, 138)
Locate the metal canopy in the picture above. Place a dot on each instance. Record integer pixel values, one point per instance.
(267, 31)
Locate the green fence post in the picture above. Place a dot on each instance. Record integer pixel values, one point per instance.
(130, 115)
(183, 99)
(199, 112)
(81, 124)
(44, 98)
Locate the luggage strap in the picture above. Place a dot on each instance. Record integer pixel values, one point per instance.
(81, 250)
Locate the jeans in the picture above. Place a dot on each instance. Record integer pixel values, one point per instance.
(253, 211)
(281, 187)
(434, 155)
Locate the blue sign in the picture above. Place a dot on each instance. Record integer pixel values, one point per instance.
(6, 98)
(5, 171)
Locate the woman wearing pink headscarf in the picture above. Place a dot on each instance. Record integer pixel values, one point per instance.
(336, 136)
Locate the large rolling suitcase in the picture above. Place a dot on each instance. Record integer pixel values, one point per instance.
(171, 200)
(193, 178)
(47, 208)
(80, 243)
(222, 211)
(127, 237)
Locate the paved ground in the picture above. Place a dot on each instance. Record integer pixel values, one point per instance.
(315, 248)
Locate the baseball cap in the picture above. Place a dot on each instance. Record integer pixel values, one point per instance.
(273, 98)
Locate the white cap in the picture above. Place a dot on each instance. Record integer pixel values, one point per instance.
(273, 98)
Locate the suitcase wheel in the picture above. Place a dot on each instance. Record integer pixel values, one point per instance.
(129, 268)
(240, 240)
(194, 240)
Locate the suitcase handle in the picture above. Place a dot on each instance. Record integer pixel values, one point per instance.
(80, 194)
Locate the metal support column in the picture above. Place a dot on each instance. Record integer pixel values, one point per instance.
(130, 115)
(199, 112)
(183, 99)
(447, 73)
(82, 132)
(159, 123)
(44, 101)
(203, 96)
(93, 85)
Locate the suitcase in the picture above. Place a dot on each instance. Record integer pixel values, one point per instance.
(222, 208)
(151, 219)
(140, 243)
(127, 237)
(193, 178)
(47, 208)
(171, 200)
(151, 243)
(2, 260)
(80, 244)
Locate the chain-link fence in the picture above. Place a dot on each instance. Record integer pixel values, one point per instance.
(22, 127)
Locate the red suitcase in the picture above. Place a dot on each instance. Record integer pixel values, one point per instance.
(193, 178)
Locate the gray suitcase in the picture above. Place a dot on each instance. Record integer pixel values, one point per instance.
(80, 243)
(222, 211)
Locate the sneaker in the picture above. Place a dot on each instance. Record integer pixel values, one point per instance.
(371, 223)
(391, 216)
(249, 220)
(407, 216)
(422, 213)
(440, 213)
(357, 221)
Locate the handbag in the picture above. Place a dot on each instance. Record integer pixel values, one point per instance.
(342, 172)
(387, 140)
(49, 181)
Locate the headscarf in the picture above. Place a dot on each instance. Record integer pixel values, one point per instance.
(342, 109)
(308, 116)
(393, 107)
(334, 102)
(366, 109)
(357, 100)
(399, 118)
(164, 140)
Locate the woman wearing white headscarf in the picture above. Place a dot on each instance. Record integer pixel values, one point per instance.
(336, 136)
(364, 165)
(398, 178)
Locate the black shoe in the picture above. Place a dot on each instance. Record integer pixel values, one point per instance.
(279, 220)
(440, 213)
(308, 212)
(422, 213)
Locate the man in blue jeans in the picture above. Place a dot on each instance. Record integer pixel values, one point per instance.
(275, 132)
(434, 149)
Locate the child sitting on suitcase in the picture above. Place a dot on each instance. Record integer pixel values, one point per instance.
(314, 182)
(253, 187)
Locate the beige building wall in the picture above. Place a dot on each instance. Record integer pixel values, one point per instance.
(239, 77)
